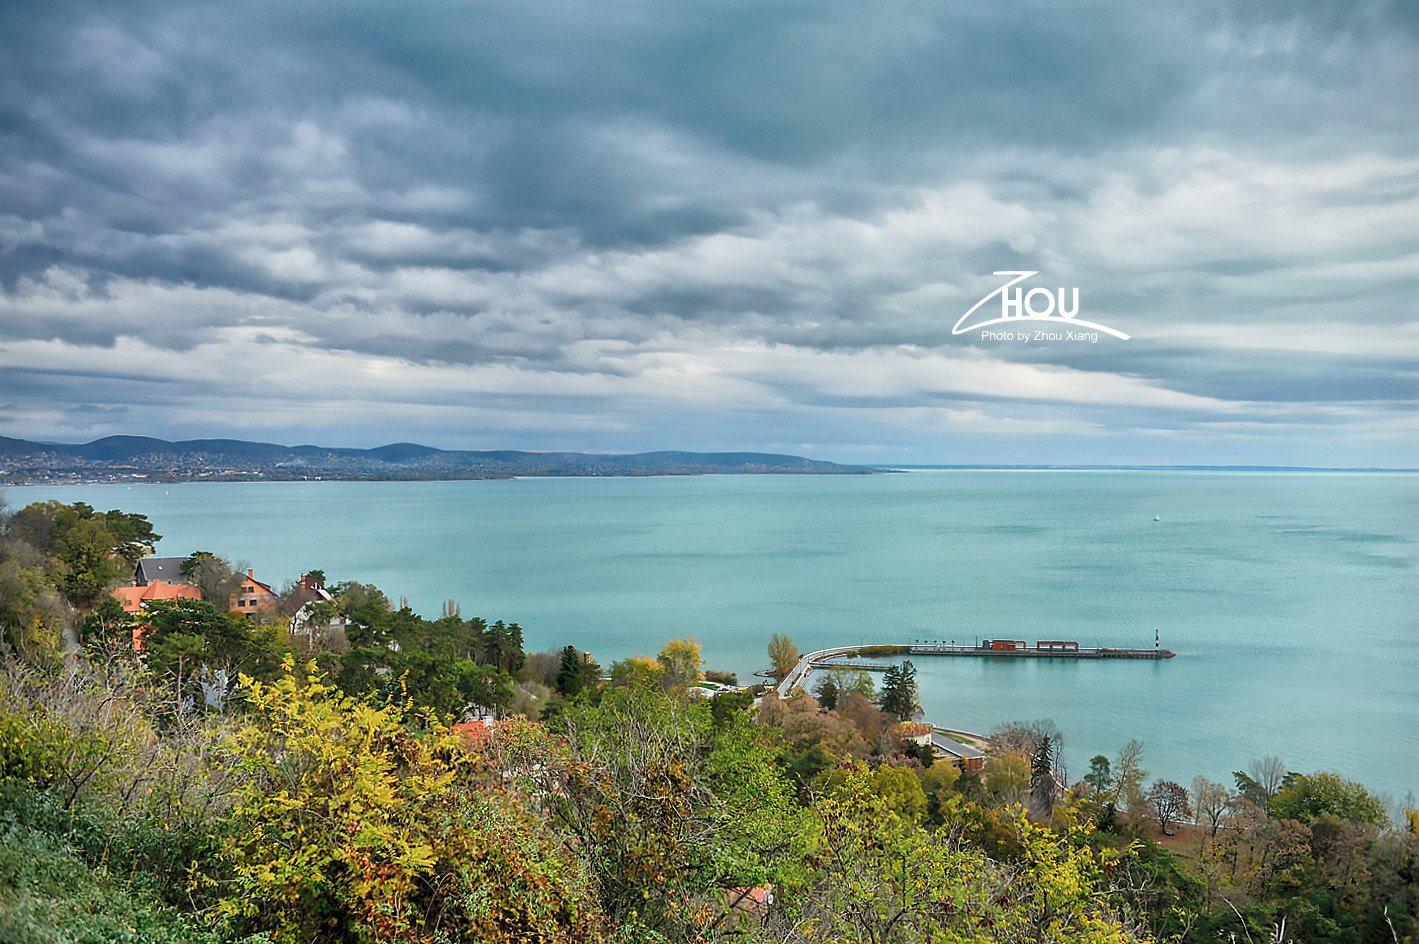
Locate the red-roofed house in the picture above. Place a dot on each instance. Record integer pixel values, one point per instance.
(251, 595)
(305, 600)
(133, 598)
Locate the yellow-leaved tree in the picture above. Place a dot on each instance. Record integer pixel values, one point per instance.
(783, 654)
(680, 658)
(358, 822)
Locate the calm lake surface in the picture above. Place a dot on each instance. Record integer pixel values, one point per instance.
(1291, 599)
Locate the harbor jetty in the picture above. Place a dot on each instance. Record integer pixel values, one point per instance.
(987, 649)
(1042, 649)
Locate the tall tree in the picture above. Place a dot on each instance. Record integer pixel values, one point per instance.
(212, 575)
(33, 612)
(1210, 801)
(680, 658)
(1129, 775)
(1308, 797)
(109, 625)
(1248, 789)
(187, 639)
(576, 673)
(783, 654)
(368, 613)
(827, 692)
(95, 551)
(1269, 773)
(1168, 801)
(899, 693)
(502, 646)
(1100, 775)
(1007, 776)
(1043, 788)
(855, 681)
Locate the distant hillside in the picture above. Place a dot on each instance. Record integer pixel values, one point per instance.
(139, 458)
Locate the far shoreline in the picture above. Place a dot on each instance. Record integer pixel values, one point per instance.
(260, 479)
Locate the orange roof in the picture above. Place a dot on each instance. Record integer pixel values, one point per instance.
(133, 598)
(914, 728)
(753, 900)
(263, 586)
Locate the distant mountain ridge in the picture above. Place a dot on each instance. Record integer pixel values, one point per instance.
(142, 458)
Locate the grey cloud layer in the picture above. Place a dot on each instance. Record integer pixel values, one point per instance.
(741, 224)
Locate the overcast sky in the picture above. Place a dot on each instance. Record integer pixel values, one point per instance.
(740, 224)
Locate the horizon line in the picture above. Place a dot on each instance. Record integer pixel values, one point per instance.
(1133, 467)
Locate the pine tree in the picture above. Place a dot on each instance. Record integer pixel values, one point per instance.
(899, 693)
(502, 646)
(569, 674)
(1042, 783)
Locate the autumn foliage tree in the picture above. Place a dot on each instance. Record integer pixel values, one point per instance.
(348, 825)
(783, 655)
(95, 549)
(1168, 802)
(680, 661)
(880, 878)
(54, 557)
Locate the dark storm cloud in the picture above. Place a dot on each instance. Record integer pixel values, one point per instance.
(591, 224)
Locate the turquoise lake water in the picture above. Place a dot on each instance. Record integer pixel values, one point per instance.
(1291, 599)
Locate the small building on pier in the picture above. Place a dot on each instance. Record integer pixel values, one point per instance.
(1004, 645)
(1056, 645)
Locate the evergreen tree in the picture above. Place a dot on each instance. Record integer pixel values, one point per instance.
(569, 675)
(1100, 775)
(107, 624)
(899, 693)
(1042, 783)
(502, 646)
(827, 691)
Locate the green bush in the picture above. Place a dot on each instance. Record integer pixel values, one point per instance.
(135, 849)
(49, 894)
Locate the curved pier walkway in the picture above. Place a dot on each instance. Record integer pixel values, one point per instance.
(825, 658)
(800, 672)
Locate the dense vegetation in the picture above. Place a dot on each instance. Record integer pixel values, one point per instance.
(234, 780)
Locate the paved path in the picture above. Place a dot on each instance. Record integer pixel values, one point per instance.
(798, 676)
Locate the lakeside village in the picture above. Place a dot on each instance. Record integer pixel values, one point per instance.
(190, 754)
(310, 610)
